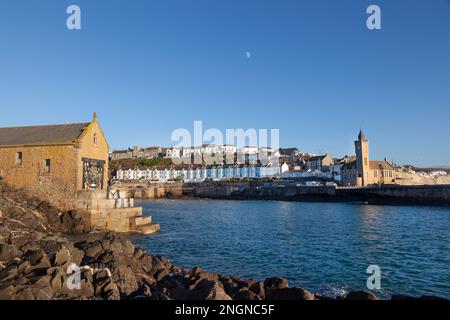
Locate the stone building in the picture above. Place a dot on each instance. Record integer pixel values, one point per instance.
(319, 163)
(136, 153)
(365, 172)
(54, 162)
(121, 154)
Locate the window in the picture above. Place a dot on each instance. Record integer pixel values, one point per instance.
(375, 174)
(19, 158)
(47, 165)
(95, 138)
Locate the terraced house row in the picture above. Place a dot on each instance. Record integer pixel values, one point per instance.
(200, 174)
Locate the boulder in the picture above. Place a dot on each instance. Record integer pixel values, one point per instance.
(148, 280)
(289, 294)
(158, 263)
(25, 240)
(124, 278)
(201, 275)
(9, 272)
(361, 295)
(86, 290)
(143, 293)
(51, 213)
(42, 289)
(107, 289)
(104, 285)
(36, 257)
(66, 255)
(25, 294)
(72, 223)
(9, 252)
(25, 267)
(275, 283)
(158, 294)
(179, 293)
(233, 292)
(7, 292)
(208, 290)
(176, 270)
(161, 274)
(258, 289)
(38, 260)
(118, 244)
(245, 294)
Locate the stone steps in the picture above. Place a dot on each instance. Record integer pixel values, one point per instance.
(104, 203)
(122, 212)
(139, 221)
(148, 228)
(115, 214)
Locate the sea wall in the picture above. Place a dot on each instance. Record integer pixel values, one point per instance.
(149, 191)
(419, 195)
(290, 191)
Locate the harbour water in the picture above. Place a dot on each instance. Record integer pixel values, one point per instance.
(323, 247)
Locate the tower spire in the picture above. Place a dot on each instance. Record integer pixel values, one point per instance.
(361, 135)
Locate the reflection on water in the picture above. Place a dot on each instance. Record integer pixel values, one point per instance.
(320, 246)
(371, 221)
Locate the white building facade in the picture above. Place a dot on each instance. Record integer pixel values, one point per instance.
(200, 174)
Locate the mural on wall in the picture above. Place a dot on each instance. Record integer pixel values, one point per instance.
(93, 173)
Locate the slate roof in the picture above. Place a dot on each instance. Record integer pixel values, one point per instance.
(48, 134)
(288, 151)
(316, 158)
(373, 165)
(380, 165)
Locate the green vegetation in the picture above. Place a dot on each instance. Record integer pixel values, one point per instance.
(150, 162)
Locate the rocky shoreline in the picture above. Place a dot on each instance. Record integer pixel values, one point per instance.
(38, 244)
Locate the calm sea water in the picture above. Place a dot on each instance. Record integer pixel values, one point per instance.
(323, 247)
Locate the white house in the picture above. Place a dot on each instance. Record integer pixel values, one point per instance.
(173, 153)
(194, 151)
(249, 150)
(199, 174)
(229, 148)
(284, 168)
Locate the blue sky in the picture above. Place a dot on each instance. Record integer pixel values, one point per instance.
(316, 72)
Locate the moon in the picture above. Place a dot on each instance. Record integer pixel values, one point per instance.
(248, 55)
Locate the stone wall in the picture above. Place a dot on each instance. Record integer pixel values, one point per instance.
(150, 191)
(289, 191)
(388, 194)
(57, 186)
(395, 194)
